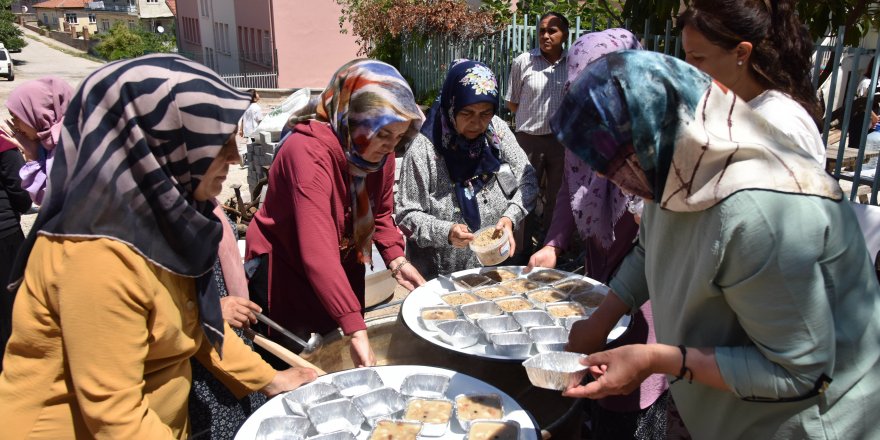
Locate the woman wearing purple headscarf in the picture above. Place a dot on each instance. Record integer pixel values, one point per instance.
(37, 108)
(603, 216)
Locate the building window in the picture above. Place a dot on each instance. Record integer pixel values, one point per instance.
(152, 1)
(70, 18)
(45, 19)
(131, 25)
(105, 25)
(92, 18)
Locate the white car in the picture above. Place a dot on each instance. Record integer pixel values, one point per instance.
(6, 70)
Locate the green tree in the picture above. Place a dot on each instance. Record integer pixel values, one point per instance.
(122, 43)
(10, 36)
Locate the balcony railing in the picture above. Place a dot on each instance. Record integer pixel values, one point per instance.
(100, 6)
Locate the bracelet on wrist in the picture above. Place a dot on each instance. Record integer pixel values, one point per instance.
(396, 270)
(684, 369)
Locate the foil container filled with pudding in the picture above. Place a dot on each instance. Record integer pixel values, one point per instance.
(501, 274)
(433, 414)
(432, 386)
(547, 276)
(382, 403)
(590, 300)
(298, 400)
(483, 309)
(283, 427)
(471, 281)
(555, 370)
(358, 381)
(547, 339)
(335, 435)
(493, 430)
(491, 292)
(512, 304)
(514, 344)
(396, 430)
(533, 318)
(521, 285)
(498, 324)
(545, 295)
(459, 333)
(431, 315)
(336, 415)
(565, 309)
(472, 407)
(459, 298)
(573, 285)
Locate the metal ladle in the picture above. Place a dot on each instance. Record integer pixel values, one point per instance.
(310, 348)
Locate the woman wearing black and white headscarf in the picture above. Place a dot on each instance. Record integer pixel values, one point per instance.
(117, 292)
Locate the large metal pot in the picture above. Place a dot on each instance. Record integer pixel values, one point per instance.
(395, 344)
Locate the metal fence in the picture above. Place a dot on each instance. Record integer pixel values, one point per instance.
(264, 80)
(425, 60)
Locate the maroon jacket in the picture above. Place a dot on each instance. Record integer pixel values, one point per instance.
(306, 214)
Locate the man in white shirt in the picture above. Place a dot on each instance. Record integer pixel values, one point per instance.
(537, 80)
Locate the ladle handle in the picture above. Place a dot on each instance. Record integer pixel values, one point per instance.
(284, 354)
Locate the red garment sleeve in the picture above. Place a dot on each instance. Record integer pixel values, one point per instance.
(318, 241)
(387, 238)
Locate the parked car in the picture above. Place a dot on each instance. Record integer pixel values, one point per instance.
(6, 70)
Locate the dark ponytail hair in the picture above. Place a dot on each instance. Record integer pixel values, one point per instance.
(781, 45)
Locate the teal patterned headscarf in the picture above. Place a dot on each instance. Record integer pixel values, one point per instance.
(695, 141)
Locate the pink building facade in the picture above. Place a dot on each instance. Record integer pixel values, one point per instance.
(298, 39)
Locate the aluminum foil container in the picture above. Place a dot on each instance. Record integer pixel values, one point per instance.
(546, 295)
(358, 381)
(547, 276)
(430, 316)
(384, 403)
(532, 318)
(565, 309)
(556, 370)
(502, 273)
(396, 429)
(512, 304)
(491, 292)
(549, 339)
(472, 280)
(434, 424)
(283, 427)
(482, 309)
(516, 344)
(574, 285)
(432, 386)
(494, 429)
(335, 415)
(521, 285)
(459, 298)
(498, 324)
(459, 333)
(298, 400)
(337, 435)
(470, 408)
(568, 323)
(590, 300)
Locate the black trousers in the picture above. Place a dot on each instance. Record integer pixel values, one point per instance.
(8, 250)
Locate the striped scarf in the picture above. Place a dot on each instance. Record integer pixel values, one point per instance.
(138, 137)
(363, 96)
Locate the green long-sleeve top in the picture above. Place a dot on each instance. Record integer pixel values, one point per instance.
(783, 288)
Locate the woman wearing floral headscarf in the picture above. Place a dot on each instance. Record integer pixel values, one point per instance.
(118, 293)
(601, 213)
(37, 108)
(330, 199)
(764, 296)
(465, 171)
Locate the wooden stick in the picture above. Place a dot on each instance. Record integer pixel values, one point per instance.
(282, 353)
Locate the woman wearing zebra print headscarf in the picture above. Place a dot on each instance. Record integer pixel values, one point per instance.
(330, 199)
(117, 292)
